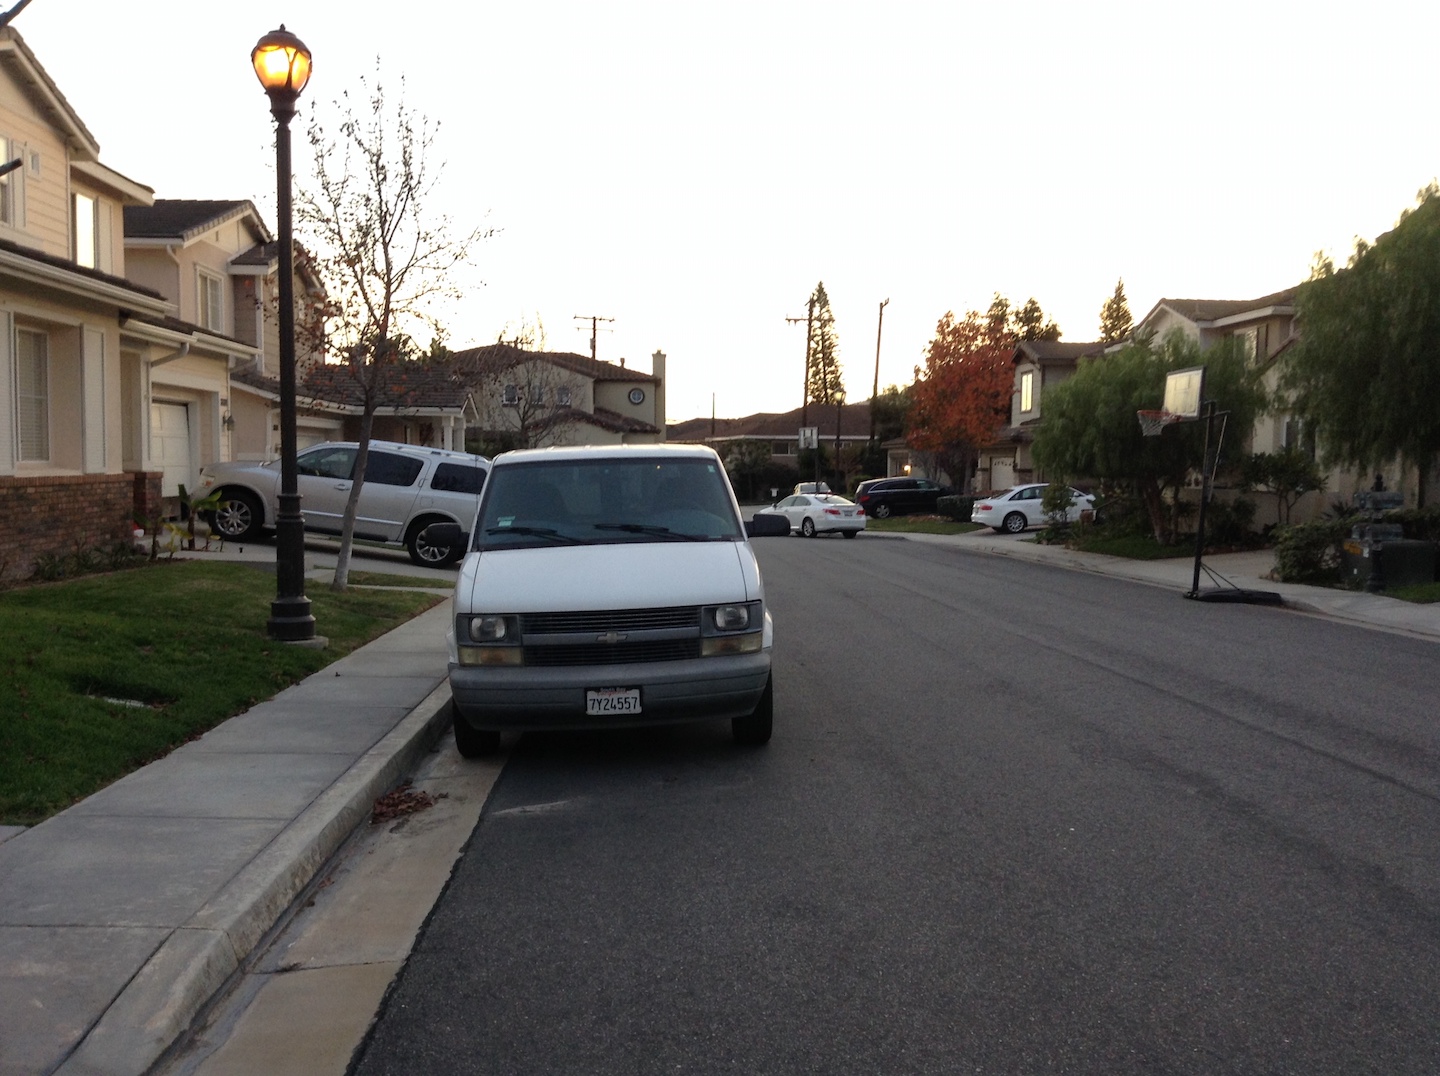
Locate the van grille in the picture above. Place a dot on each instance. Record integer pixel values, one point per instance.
(685, 616)
(634, 635)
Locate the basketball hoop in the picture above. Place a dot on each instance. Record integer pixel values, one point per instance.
(1153, 422)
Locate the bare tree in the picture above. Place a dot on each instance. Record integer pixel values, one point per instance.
(385, 261)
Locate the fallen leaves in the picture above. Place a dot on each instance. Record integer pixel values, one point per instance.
(401, 801)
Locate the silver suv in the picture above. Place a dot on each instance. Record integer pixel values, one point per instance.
(406, 488)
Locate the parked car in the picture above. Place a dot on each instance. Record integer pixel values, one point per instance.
(884, 497)
(811, 487)
(406, 488)
(606, 586)
(1015, 509)
(820, 513)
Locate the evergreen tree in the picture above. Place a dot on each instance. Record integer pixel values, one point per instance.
(1115, 320)
(1030, 323)
(825, 384)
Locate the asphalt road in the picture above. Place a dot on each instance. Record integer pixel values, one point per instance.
(1013, 820)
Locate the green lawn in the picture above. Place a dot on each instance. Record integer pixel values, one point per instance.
(1133, 547)
(102, 674)
(918, 525)
(1424, 593)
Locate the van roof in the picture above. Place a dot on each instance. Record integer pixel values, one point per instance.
(567, 453)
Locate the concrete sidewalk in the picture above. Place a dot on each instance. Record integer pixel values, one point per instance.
(1247, 571)
(121, 917)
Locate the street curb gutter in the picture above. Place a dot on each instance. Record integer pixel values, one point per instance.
(196, 961)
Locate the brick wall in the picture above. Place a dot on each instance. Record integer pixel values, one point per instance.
(59, 514)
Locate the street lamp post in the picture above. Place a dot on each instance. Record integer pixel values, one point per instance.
(282, 64)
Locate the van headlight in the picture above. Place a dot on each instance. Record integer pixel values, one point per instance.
(488, 639)
(736, 628)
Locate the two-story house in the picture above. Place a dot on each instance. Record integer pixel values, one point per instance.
(1040, 365)
(216, 396)
(538, 398)
(1266, 327)
(76, 335)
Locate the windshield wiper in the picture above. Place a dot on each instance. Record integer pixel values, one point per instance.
(537, 532)
(658, 532)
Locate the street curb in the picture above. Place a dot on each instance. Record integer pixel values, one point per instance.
(160, 1003)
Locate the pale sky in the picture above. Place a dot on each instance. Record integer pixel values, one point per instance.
(693, 170)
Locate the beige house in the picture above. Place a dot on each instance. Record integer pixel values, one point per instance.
(75, 456)
(1266, 327)
(1040, 365)
(539, 398)
(215, 394)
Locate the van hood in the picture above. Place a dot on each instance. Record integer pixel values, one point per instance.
(630, 575)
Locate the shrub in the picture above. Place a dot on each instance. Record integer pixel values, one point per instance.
(1310, 552)
(1422, 524)
(956, 507)
(1229, 522)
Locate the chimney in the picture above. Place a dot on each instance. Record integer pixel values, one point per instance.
(657, 368)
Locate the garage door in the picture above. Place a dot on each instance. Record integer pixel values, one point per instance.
(170, 446)
(1002, 472)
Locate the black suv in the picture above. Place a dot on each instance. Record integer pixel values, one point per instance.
(882, 497)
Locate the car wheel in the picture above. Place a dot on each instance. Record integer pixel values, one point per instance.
(1015, 522)
(881, 511)
(753, 730)
(239, 517)
(472, 742)
(807, 528)
(849, 534)
(425, 554)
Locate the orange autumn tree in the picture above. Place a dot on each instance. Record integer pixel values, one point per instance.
(961, 399)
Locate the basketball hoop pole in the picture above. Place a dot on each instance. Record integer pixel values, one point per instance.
(1208, 409)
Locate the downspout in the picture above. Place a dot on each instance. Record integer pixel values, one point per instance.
(180, 354)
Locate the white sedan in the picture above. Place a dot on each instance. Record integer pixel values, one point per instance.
(820, 513)
(1018, 508)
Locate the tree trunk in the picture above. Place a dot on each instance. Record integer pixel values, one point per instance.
(1155, 508)
(347, 527)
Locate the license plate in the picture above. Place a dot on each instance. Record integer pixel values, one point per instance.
(604, 701)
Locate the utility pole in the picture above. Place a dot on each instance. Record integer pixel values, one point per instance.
(809, 320)
(594, 321)
(875, 391)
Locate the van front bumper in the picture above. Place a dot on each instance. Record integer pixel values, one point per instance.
(550, 697)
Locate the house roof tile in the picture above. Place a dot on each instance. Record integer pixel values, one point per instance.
(420, 385)
(184, 218)
(854, 422)
(492, 357)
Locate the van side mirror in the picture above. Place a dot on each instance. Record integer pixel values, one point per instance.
(766, 525)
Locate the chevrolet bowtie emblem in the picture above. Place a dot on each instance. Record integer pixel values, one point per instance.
(612, 637)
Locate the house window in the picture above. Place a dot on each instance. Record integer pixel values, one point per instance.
(32, 393)
(212, 302)
(1027, 391)
(87, 237)
(562, 396)
(535, 395)
(1249, 344)
(511, 396)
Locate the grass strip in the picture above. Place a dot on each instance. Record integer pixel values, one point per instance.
(102, 674)
(918, 525)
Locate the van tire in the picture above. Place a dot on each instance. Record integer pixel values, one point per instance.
(754, 729)
(472, 742)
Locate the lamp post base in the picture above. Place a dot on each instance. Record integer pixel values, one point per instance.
(290, 620)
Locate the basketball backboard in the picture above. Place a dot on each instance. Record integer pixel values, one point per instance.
(1184, 390)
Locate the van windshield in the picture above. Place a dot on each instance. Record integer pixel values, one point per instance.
(605, 501)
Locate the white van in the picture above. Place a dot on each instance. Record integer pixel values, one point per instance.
(609, 586)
